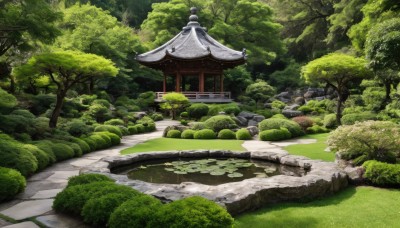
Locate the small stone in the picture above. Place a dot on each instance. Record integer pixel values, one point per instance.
(247, 115)
(258, 118)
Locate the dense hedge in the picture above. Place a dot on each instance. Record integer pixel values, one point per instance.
(204, 134)
(188, 134)
(330, 121)
(275, 134)
(196, 111)
(174, 134)
(293, 127)
(381, 173)
(41, 156)
(87, 179)
(217, 123)
(11, 183)
(226, 134)
(350, 119)
(109, 128)
(243, 134)
(114, 122)
(62, 151)
(192, 212)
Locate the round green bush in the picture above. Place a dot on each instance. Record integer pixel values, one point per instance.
(45, 146)
(82, 144)
(275, 134)
(330, 121)
(100, 143)
(243, 134)
(204, 134)
(23, 112)
(77, 128)
(77, 149)
(188, 134)
(132, 130)
(109, 128)
(278, 116)
(11, 183)
(62, 151)
(184, 115)
(351, 119)
(174, 134)
(124, 130)
(114, 122)
(140, 128)
(304, 121)
(115, 139)
(40, 155)
(87, 179)
(184, 122)
(197, 125)
(196, 111)
(150, 127)
(226, 134)
(105, 137)
(137, 212)
(97, 211)
(293, 127)
(13, 155)
(217, 123)
(192, 212)
(157, 116)
(91, 143)
(383, 174)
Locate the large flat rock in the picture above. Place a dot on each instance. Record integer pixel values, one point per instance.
(28, 209)
(61, 221)
(23, 225)
(46, 194)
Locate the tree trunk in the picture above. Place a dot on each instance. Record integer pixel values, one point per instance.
(57, 109)
(386, 101)
(339, 109)
(12, 85)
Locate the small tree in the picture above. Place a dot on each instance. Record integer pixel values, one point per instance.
(340, 71)
(174, 102)
(260, 91)
(65, 69)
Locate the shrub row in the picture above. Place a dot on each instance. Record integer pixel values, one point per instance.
(242, 134)
(101, 202)
(275, 134)
(381, 173)
(11, 183)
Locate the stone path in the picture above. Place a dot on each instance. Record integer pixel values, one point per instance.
(37, 199)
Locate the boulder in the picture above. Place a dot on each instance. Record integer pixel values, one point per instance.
(267, 105)
(247, 115)
(299, 100)
(292, 113)
(285, 95)
(291, 107)
(241, 120)
(253, 130)
(355, 174)
(258, 118)
(252, 123)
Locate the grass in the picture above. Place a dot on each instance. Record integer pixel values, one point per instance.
(313, 150)
(353, 207)
(167, 144)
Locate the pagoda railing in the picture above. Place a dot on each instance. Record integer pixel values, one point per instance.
(200, 95)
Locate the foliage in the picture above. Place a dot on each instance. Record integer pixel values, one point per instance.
(198, 110)
(87, 179)
(217, 123)
(7, 101)
(304, 122)
(146, 99)
(316, 129)
(381, 173)
(193, 211)
(260, 91)
(243, 134)
(157, 116)
(230, 109)
(46, 146)
(314, 106)
(287, 78)
(330, 121)
(204, 134)
(65, 69)
(138, 212)
(114, 122)
(11, 183)
(77, 128)
(373, 98)
(339, 71)
(350, 119)
(41, 156)
(174, 134)
(237, 80)
(278, 104)
(188, 134)
(174, 102)
(369, 140)
(275, 134)
(226, 134)
(62, 151)
(106, 140)
(293, 127)
(111, 137)
(109, 128)
(140, 128)
(132, 130)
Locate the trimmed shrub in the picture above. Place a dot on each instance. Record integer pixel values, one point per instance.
(184, 122)
(109, 128)
(91, 142)
(140, 128)
(350, 119)
(217, 123)
(226, 134)
(45, 146)
(243, 134)
(77, 149)
(11, 183)
(138, 212)
(114, 122)
(330, 121)
(77, 128)
(293, 127)
(267, 113)
(316, 129)
(150, 127)
(100, 143)
(304, 122)
(62, 151)
(174, 134)
(184, 115)
(87, 179)
(40, 155)
(132, 130)
(82, 144)
(156, 116)
(24, 113)
(381, 173)
(188, 134)
(275, 135)
(192, 212)
(196, 111)
(106, 138)
(197, 126)
(115, 139)
(204, 134)
(278, 116)
(278, 104)
(231, 108)
(369, 140)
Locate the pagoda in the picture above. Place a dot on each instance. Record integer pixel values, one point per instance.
(194, 62)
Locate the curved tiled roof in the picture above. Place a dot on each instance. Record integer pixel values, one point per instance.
(192, 43)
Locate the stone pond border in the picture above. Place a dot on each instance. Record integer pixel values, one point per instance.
(323, 178)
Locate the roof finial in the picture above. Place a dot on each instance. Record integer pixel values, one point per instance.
(193, 17)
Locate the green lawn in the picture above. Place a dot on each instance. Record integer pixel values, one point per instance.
(353, 207)
(313, 150)
(166, 144)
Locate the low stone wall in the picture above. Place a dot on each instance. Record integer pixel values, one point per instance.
(323, 178)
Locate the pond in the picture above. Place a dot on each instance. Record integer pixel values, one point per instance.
(207, 171)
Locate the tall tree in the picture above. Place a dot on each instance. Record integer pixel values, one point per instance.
(340, 71)
(65, 69)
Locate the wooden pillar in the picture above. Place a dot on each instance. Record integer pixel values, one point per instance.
(201, 81)
(221, 83)
(165, 84)
(214, 89)
(178, 82)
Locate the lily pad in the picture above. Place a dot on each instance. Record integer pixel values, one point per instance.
(217, 173)
(233, 175)
(180, 172)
